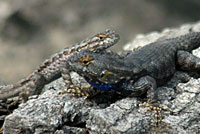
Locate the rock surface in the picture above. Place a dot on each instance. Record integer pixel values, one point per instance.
(51, 113)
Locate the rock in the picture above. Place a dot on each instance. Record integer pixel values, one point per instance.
(109, 112)
(47, 113)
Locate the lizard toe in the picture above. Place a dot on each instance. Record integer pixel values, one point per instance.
(157, 108)
(76, 91)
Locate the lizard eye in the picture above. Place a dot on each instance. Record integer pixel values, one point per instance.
(101, 36)
(86, 60)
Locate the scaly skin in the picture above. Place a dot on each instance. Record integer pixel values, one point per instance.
(55, 66)
(141, 71)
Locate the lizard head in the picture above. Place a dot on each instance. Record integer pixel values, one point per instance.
(102, 70)
(99, 42)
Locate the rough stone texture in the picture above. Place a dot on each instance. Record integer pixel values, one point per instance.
(109, 112)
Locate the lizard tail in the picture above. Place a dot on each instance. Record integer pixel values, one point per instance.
(9, 91)
(28, 86)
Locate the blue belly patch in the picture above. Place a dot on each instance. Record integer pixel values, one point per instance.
(102, 86)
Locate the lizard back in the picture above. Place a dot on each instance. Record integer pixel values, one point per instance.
(159, 58)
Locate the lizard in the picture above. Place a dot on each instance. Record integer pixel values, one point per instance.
(139, 72)
(55, 66)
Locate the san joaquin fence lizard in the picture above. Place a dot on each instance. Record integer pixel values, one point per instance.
(141, 71)
(55, 66)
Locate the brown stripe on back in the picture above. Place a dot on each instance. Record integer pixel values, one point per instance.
(41, 68)
(24, 81)
(60, 55)
(55, 58)
(65, 52)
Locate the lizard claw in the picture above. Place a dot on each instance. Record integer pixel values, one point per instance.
(157, 111)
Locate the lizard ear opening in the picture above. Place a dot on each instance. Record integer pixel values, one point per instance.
(86, 60)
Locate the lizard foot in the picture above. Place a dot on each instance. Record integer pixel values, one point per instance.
(76, 91)
(157, 111)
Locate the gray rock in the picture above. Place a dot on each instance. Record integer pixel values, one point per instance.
(47, 113)
(109, 112)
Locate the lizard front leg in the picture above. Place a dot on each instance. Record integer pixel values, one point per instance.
(143, 85)
(77, 91)
(147, 85)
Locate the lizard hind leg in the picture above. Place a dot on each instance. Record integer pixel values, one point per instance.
(187, 61)
(148, 84)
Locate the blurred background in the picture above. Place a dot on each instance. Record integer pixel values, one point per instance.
(32, 30)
